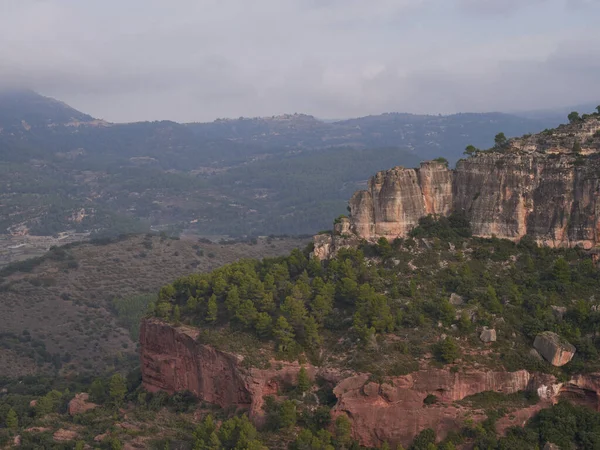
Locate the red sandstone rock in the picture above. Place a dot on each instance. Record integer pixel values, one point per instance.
(394, 411)
(79, 404)
(63, 435)
(37, 429)
(172, 360)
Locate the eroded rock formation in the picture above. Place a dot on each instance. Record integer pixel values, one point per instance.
(394, 411)
(545, 186)
(397, 198)
(172, 360)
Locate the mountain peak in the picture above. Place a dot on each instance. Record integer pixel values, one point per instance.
(28, 109)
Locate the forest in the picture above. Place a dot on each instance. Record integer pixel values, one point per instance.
(301, 306)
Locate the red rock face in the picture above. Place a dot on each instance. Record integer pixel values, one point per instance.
(395, 411)
(172, 360)
(80, 404)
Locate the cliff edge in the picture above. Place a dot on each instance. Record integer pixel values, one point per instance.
(545, 186)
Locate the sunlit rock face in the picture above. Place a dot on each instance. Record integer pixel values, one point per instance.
(545, 186)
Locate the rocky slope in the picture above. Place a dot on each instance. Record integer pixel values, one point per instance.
(544, 186)
(394, 411)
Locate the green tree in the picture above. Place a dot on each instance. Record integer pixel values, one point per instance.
(447, 351)
(177, 315)
(212, 309)
(163, 309)
(312, 338)
(576, 147)
(491, 301)
(470, 150)
(423, 440)
(574, 117)
(287, 414)
(343, 429)
(321, 307)
(79, 445)
(284, 334)
(117, 389)
(48, 403)
(263, 325)
(246, 313)
(98, 391)
(561, 271)
(500, 140)
(192, 304)
(232, 302)
(303, 380)
(442, 160)
(12, 420)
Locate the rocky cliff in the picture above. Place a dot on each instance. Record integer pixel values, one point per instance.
(545, 186)
(173, 360)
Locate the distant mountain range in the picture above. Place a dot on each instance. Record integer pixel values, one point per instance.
(61, 169)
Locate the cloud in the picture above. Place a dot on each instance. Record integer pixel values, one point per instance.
(497, 6)
(146, 59)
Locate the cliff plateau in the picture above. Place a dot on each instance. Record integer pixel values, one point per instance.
(544, 186)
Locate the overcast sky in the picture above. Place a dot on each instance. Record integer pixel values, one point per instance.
(196, 60)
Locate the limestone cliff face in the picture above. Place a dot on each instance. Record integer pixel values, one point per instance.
(547, 197)
(397, 198)
(173, 360)
(538, 186)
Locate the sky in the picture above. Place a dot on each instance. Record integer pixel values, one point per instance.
(198, 60)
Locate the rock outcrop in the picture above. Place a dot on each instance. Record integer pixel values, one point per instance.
(536, 186)
(397, 198)
(173, 360)
(553, 348)
(394, 411)
(488, 335)
(80, 404)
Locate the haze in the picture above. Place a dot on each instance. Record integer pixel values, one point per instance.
(196, 60)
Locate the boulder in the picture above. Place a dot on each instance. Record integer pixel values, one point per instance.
(456, 299)
(551, 446)
(63, 435)
(553, 348)
(79, 404)
(488, 335)
(559, 311)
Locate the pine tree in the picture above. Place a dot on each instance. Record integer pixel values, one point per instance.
(284, 334)
(303, 381)
(288, 414)
(117, 389)
(177, 315)
(263, 324)
(12, 420)
(212, 309)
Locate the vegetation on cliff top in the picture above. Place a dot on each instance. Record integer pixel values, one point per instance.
(395, 297)
(566, 141)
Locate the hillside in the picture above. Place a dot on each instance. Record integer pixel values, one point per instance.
(57, 312)
(24, 110)
(61, 170)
